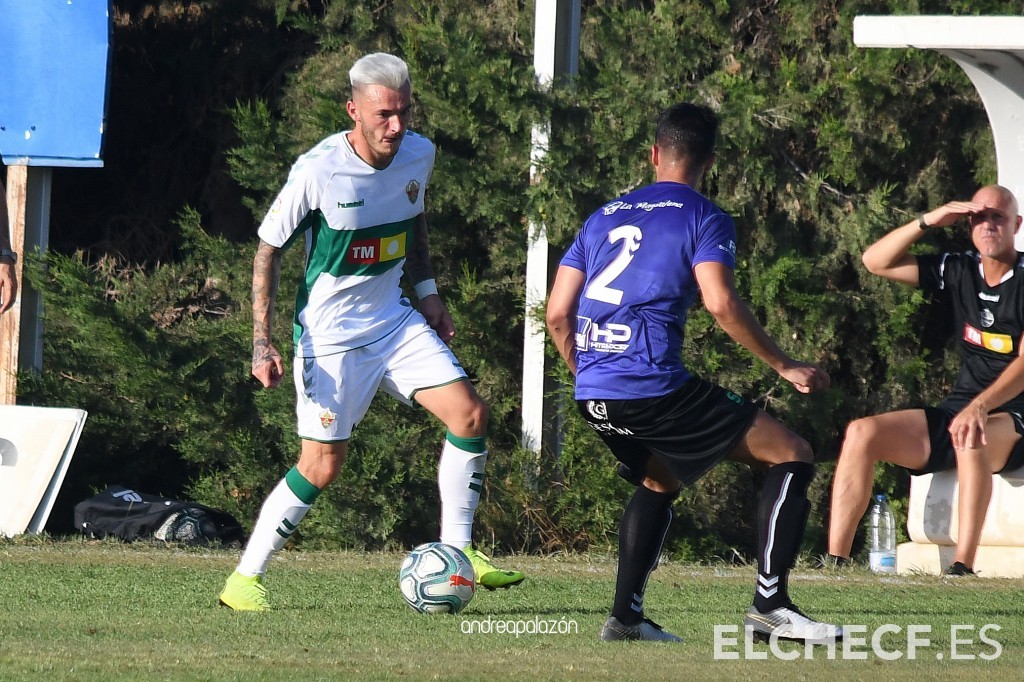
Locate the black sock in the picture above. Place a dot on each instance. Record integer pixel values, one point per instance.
(641, 536)
(781, 520)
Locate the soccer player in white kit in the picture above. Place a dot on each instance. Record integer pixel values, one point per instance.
(357, 197)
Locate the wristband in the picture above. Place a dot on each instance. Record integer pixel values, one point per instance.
(921, 223)
(7, 253)
(427, 287)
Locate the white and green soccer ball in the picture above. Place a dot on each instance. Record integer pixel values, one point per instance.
(437, 578)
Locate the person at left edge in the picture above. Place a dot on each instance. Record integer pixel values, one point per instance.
(357, 197)
(8, 259)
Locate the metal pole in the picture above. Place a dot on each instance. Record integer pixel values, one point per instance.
(556, 56)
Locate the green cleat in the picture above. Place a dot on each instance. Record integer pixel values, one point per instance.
(488, 575)
(245, 593)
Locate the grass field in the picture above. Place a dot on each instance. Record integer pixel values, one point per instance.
(78, 610)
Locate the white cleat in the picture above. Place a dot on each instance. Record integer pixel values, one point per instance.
(787, 622)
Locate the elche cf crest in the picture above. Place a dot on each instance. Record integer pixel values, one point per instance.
(327, 418)
(412, 190)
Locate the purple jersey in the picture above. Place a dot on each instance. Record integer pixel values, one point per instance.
(638, 253)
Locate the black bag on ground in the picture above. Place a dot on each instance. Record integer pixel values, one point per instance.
(129, 515)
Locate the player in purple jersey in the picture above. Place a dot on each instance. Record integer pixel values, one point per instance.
(977, 429)
(617, 313)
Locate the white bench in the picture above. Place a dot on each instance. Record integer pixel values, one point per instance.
(36, 446)
(932, 526)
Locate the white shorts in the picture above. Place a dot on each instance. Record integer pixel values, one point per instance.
(334, 391)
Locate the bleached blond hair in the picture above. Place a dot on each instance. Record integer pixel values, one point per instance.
(379, 68)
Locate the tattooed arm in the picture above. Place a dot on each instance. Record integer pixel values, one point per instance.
(421, 275)
(267, 365)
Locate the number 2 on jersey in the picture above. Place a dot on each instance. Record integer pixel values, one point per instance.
(630, 236)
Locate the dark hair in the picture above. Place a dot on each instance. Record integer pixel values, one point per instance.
(687, 130)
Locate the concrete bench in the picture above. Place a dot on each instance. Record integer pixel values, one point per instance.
(36, 446)
(932, 526)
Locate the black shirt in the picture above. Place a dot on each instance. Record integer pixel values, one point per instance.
(988, 319)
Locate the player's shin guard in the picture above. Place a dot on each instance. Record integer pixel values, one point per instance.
(641, 536)
(460, 479)
(781, 520)
(286, 505)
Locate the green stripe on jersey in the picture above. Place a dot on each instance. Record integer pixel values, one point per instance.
(365, 252)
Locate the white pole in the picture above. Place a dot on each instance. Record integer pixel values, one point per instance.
(556, 54)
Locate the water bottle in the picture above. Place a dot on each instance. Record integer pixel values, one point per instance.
(882, 536)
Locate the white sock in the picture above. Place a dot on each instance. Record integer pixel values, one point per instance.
(278, 518)
(460, 478)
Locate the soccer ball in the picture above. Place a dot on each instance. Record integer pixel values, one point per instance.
(437, 578)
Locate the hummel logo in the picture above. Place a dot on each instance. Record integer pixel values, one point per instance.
(767, 587)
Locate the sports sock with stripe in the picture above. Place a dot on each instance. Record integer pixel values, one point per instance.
(641, 536)
(460, 479)
(781, 519)
(286, 505)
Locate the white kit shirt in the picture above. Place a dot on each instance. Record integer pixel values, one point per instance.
(358, 224)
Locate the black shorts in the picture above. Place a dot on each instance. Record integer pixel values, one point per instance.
(943, 456)
(692, 429)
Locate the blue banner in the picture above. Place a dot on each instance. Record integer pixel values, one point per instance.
(54, 72)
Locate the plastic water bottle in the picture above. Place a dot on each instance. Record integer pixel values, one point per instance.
(882, 536)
